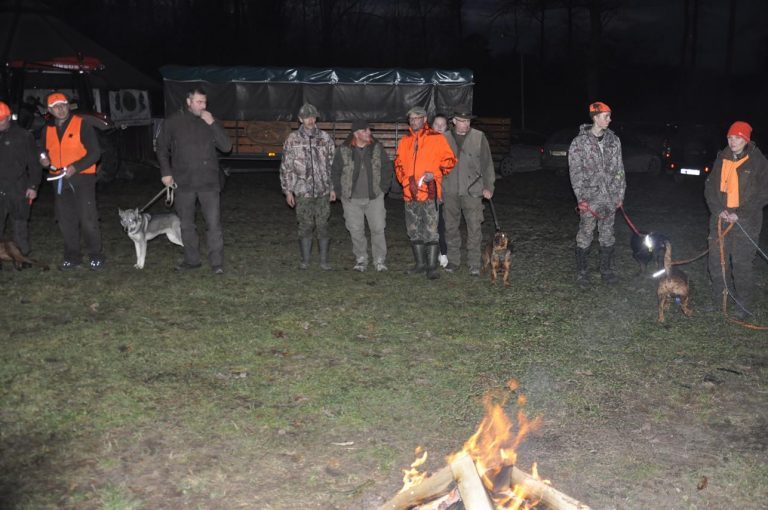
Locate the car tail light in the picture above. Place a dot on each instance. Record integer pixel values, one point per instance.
(672, 166)
(541, 150)
(707, 169)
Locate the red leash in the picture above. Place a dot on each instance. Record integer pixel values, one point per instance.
(623, 212)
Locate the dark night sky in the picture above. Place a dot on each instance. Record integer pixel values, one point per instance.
(639, 61)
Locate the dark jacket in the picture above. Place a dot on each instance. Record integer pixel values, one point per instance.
(19, 160)
(753, 185)
(186, 150)
(350, 160)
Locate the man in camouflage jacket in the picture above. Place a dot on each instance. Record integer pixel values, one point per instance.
(305, 177)
(598, 181)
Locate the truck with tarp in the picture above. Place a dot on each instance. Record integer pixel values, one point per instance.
(258, 105)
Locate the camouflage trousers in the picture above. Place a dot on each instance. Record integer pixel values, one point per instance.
(312, 216)
(421, 221)
(604, 224)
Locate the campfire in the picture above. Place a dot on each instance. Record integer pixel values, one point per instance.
(483, 475)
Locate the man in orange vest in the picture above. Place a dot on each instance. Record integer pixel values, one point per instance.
(423, 158)
(72, 151)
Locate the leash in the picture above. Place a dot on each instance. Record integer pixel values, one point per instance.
(726, 292)
(629, 222)
(493, 213)
(169, 195)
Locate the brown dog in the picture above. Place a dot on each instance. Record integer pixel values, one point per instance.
(497, 256)
(10, 252)
(672, 286)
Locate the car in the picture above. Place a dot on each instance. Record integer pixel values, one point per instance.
(637, 155)
(690, 150)
(525, 151)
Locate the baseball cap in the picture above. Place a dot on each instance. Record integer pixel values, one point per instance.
(56, 98)
(5, 111)
(599, 107)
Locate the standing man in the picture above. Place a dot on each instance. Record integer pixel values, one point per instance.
(736, 190)
(423, 157)
(186, 151)
(72, 151)
(20, 175)
(361, 174)
(305, 177)
(598, 181)
(464, 189)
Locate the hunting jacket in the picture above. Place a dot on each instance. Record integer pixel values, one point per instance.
(375, 161)
(753, 185)
(417, 154)
(597, 175)
(19, 162)
(474, 171)
(306, 167)
(186, 150)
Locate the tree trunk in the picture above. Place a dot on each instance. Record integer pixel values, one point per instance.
(731, 38)
(595, 45)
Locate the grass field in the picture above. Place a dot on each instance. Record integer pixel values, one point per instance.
(273, 388)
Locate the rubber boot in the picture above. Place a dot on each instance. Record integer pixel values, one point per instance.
(305, 248)
(582, 267)
(607, 271)
(433, 254)
(419, 255)
(323, 245)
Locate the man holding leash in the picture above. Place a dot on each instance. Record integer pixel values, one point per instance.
(464, 190)
(598, 181)
(736, 191)
(186, 151)
(362, 174)
(423, 158)
(71, 153)
(20, 175)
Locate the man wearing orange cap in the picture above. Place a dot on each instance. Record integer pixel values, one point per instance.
(597, 177)
(72, 151)
(736, 191)
(20, 175)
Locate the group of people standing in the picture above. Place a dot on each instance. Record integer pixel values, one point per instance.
(434, 166)
(444, 173)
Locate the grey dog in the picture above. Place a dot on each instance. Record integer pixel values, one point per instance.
(142, 227)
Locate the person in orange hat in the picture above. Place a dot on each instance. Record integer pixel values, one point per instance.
(20, 174)
(736, 191)
(72, 151)
(597, 177)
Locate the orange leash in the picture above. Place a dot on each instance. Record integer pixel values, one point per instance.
(720, 237)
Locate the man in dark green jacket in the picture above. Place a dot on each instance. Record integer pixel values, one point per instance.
(736, 191)
(361, 173)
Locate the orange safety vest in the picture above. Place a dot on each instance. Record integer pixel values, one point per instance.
(729, 181)
(69, 149)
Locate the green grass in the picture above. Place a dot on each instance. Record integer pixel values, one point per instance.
(275, 388)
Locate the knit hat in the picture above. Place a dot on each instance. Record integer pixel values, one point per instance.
(598, 107)
(359, 124)
(742, 129)
(56, 98)
(417, 111)
(308, 110)
(5, 112)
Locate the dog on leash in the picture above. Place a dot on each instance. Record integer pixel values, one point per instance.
(143, 227)
(497, 257)
(673, 286)
(10, 252)
(647, 248)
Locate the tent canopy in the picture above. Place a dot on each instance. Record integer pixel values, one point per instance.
(340, 94)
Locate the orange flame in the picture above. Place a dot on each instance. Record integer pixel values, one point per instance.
(412, 476)
(493, 447)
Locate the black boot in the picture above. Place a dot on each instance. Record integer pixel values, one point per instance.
(323, 245)
(305, 248)
(582, 267)
(433, 253)
(419, 255)
(607, 271)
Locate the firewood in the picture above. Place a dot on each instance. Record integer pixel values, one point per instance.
(432, 487)
(552, 498)
(471, 487)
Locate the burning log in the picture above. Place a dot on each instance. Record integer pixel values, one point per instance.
(431, 488)
(471, 487)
